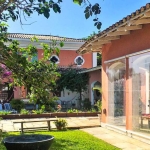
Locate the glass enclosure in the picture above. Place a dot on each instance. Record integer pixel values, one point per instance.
(116, 92)
(139, 74)
(138, 92)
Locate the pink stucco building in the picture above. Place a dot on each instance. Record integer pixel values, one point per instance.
(67, 56)
(125, 49)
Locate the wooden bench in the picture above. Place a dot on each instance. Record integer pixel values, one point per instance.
(40, 120)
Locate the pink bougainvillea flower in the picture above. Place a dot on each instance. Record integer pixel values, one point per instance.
(3, 66)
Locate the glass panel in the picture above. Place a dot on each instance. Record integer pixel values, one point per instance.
(116, 92)
(140, 75)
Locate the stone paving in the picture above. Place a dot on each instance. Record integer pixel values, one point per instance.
(89, 125)
(73, 122)
(119, 140)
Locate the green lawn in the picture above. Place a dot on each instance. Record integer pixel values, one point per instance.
(72, 140)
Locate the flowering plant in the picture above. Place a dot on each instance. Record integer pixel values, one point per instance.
(61, 124)
(58, 108)
(6, 74)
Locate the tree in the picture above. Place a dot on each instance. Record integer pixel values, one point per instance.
(99, 59)
(39, 76)
(74, 81)
(16, 9)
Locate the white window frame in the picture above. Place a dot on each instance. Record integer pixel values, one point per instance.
(77, 58)
(56, 57)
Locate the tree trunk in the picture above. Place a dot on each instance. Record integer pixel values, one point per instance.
(80, 99)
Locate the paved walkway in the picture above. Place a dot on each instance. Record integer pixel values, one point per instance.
(89, 125)
(121, 141)
(73, 122)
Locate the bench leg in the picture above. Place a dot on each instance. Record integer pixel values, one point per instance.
(21, 127)
(148, 123)
(141, 122)
(49, 126)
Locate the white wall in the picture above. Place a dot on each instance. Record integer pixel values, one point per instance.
(94, 59)
(68, 97)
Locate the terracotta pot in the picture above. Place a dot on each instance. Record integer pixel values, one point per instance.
(59, 128)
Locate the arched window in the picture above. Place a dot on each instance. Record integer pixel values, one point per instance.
(116, 72)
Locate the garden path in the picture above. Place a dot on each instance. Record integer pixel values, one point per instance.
(73, 122)
(89, 125)
(119, 140)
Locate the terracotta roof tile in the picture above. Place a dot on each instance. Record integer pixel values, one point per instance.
(43, 37)
(133, 15)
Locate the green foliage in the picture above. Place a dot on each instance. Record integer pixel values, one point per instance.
(61, 124)
(74, 81)
(79, 2)
(24, 112)
(48, 108)
(91, 10)
(72, 110)
(93, 110)
(99, 105)
(5, 112)
(39, 76)
(17, 104)
(99, 59)
(14, 9)
(86, 104)
(71, 140)
(40, 111)
(43, 108)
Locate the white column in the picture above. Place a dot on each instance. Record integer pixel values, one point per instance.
(147, 91)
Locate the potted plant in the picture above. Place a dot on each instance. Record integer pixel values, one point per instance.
(61, 124)
(99, 108)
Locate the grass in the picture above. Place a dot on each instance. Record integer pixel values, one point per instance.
(71, 140)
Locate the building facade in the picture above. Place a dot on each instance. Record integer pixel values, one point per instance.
(125, 48)
(66, 57)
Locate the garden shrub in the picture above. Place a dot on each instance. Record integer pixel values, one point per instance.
(86, 104)
(98, 105)
(39, 111)
(61, 124)
(72, 111)
(5, 112)
(24, 112)
(17, 104)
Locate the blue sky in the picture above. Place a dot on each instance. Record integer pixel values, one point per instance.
(72, 23)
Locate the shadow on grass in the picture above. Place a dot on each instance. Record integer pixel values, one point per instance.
(68, 140)
(3, 135)
(58, 144)
(62, 144)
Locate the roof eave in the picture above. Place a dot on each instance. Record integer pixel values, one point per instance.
(114, 32)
